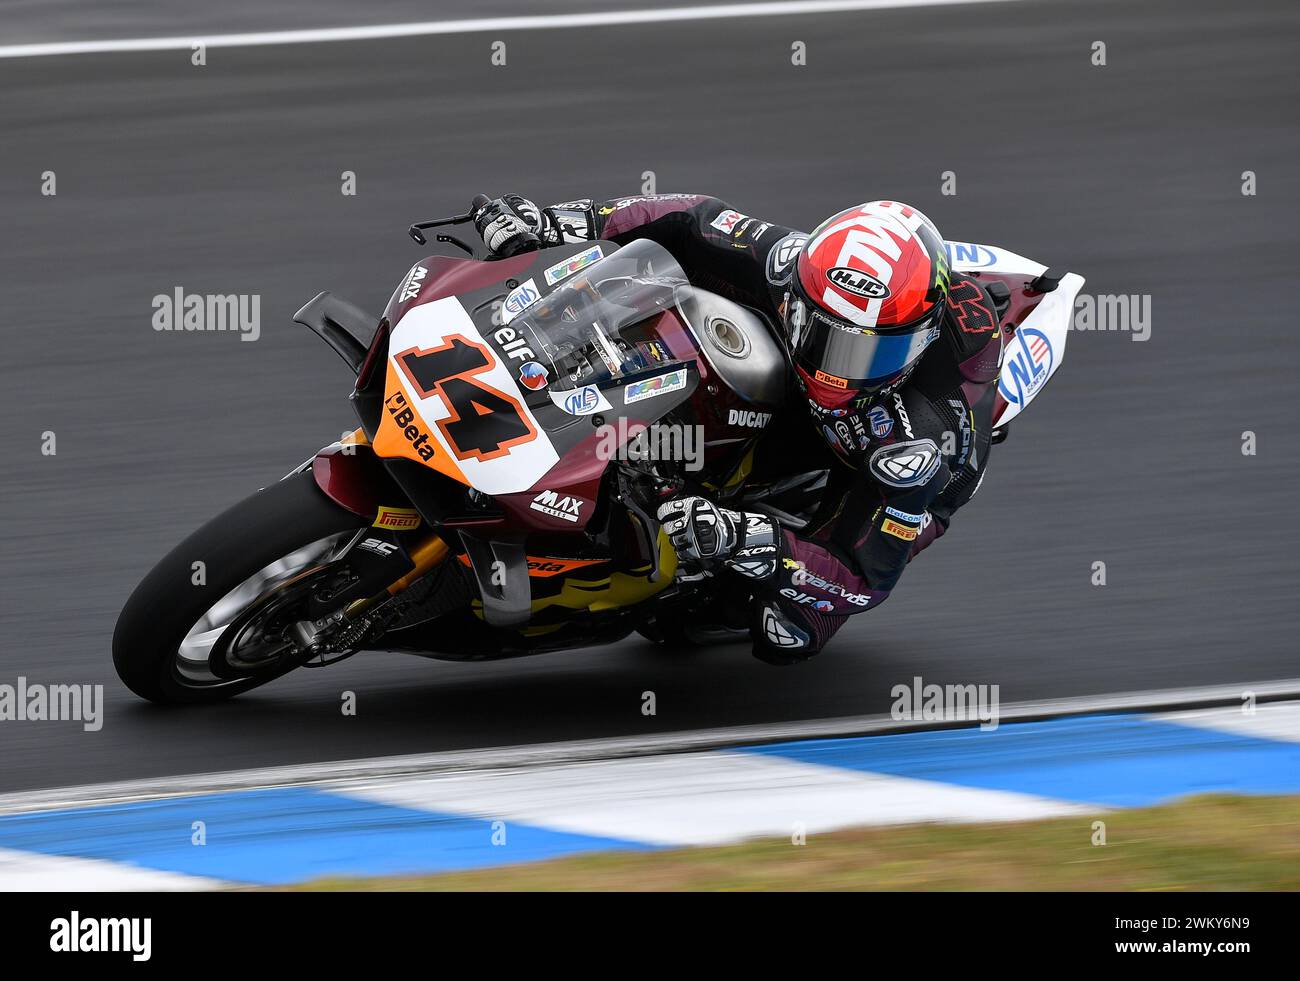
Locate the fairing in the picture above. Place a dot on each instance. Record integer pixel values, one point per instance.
(1039, 324)
(503, 385)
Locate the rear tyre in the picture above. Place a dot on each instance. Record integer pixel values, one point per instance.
(258, 559)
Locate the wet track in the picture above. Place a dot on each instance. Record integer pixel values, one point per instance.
(226, 179)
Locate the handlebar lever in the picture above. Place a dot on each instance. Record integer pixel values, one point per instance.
(416, 231)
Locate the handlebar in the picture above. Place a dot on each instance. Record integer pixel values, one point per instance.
(526, 244)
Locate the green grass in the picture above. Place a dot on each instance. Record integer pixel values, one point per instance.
(1214, 842)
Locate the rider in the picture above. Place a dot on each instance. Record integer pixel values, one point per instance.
(897, 355)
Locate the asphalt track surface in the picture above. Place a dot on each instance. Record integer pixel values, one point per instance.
(226, 179)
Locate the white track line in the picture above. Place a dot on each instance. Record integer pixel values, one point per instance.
(1279, 722)
(609, 18)
(702, 798)
(35, 872)
(541, 754)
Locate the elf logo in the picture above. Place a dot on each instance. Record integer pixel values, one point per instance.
(797, 596)
(820, 605)
(513, 344)
(748, 417)
(858, 283)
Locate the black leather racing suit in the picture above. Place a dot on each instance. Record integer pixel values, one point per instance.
(854, 551)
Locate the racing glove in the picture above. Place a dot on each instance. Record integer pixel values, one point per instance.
(509, 225)
(707, 537)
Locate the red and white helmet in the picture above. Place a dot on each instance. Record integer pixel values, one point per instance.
(866, 300)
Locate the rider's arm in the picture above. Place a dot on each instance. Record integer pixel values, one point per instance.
(720, 248)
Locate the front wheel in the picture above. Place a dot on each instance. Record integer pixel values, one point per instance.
(227, 596)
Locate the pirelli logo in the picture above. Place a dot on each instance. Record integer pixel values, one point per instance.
(906, 532)
(397, 519)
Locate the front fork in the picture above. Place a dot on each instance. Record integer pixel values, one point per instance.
(382, 565)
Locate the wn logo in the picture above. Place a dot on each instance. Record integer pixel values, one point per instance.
(582, 401)
(969, 254)
(1029, 362)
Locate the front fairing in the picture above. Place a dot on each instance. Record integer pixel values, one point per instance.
(507, 384)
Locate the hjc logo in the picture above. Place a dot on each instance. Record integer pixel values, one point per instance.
(872, 245)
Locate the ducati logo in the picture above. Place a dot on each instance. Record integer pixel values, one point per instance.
(858, 283)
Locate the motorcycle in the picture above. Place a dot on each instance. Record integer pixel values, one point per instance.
(499, 496)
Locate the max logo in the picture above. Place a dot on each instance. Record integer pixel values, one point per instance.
(411, 287)
(552, 504)
(858, 283)
(404, 416)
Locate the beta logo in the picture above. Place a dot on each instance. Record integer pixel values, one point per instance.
(555, 506)
(404, 417)
(1028, 364)
(533, 376)
(832, 380)
(857, 282)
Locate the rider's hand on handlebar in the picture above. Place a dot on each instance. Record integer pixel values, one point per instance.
(509, 225)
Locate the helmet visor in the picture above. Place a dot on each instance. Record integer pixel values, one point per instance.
(847, 356)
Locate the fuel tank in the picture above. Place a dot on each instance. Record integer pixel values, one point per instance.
(740, 348)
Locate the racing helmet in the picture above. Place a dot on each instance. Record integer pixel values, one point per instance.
(866, 299)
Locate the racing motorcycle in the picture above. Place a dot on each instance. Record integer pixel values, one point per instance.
(498, 497)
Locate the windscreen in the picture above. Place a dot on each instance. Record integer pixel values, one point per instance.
(596, 327)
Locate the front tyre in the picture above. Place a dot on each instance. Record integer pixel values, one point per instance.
(259, 559)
